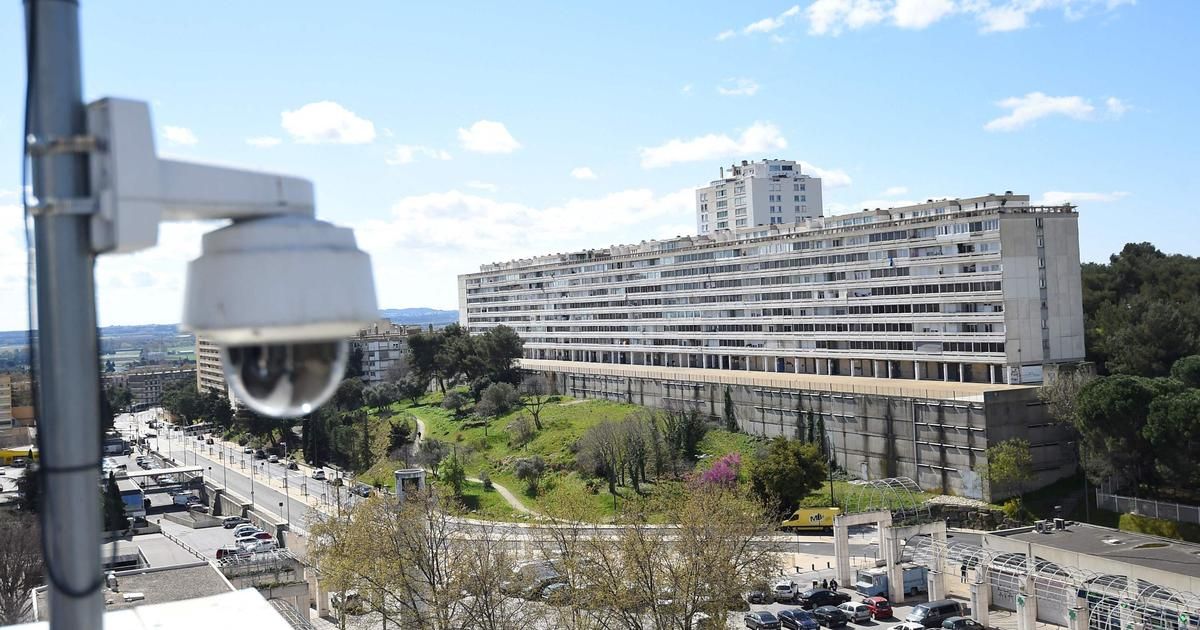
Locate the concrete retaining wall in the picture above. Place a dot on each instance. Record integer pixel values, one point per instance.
(940, 443)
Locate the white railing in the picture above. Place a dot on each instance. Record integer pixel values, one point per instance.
(1148, 507)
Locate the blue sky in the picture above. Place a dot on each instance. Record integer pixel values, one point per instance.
(453, 134)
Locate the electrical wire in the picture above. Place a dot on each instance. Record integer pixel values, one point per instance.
(52, 577)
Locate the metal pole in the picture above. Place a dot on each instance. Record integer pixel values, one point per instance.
(69, 389)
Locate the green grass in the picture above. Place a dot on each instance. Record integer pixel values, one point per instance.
(479, 502)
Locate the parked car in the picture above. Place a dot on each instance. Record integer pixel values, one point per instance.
(798, 619)
(908, 625)
(784, 591)
(880, 607)
(247, 449)
(208, 441)
(758, 597)
(260, 454)
(230, 522)
(230, 550)
(831, 616)
(858, 612)
(258, 546)
(248, 538)
(961, 623)
(760, 619)
(185, 499)
(262, 535)
(319, 475)
(243, 530)
(362, 490)
(18, 462)
(197, 508)
(932, 614)
(291, 464)
(816, 597)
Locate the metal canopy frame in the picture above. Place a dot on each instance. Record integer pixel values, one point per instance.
(899, 495)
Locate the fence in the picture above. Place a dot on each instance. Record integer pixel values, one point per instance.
(1148, 507)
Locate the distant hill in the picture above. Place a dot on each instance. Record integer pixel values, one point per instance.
(419, 316)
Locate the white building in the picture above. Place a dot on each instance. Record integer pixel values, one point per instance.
(209, 376)
(767, 192)
(384, 348)
(982, 290)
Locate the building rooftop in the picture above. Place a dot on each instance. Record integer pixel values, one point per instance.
(942, 390)
(1153, 552)
(231, 609)
(145, 587)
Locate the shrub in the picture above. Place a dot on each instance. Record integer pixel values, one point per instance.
(530, 470)
(1013, 509)
(520, 432)
(486, 480)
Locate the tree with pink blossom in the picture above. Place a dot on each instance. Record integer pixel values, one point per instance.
(723, 472)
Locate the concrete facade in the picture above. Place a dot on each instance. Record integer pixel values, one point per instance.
(6, 415)
(384, 347)
(935, 433)
(981, 290)
(146, 385)
(766, 192)
(209, 375)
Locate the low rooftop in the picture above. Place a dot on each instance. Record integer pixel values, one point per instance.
(236, 609)
(154, 586)
(942, 390)
(1153, 552)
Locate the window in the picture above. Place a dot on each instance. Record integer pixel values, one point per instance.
(803, 197)
(703, 207)
(737, 190)
(797, 209)
(722, 203)
(704, 196)
(1038, 222)
(1041, 263)
(722, 225)
(721, 214)
(795, 186)
(739, 201)
(720, 193)
(741, 222)
(795, 197)
(741, 212)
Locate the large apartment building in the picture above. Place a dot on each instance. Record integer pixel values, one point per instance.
(766, 192)
(982, 290)
(209, 376)
(146, 385)
(383, 347)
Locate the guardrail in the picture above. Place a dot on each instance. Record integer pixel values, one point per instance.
(1148, 507)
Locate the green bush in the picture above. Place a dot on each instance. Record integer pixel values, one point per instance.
(1159, 527)
(1014, 509)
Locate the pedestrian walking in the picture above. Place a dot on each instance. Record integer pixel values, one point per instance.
(824, 583)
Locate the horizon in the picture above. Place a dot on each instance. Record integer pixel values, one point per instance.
(543, 128)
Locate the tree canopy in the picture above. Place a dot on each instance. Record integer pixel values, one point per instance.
(788, 472)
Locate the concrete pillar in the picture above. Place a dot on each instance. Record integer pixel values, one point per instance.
(992, 374)
(1026, 605)
(796, 364)
(916, 370)
(937, 585)
(890, 545)
(1078, 615)
(749, 359)
(841, 552)
(981, 596)
(945, 371)
(889, 368)
(962, 372)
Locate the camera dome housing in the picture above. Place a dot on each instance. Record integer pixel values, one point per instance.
(280, 296)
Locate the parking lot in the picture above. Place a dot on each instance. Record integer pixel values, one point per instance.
(899, 611)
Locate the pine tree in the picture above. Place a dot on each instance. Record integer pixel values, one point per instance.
(811, 438)
(730, 419)
(821, 438)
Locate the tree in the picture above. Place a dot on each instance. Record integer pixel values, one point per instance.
(812, 428)
(520, 431)
(600, 452)
(537, 393)
(1187, 371)
(114, 507)
(731, 423)
(822, 440)
(354, 363)
(530, 470)
(683, 428)
(787, 473)
(349, 395)
(1009, 466)
(1111, 413)
(1061, 394)
(454, 402)
(432, 453)
(20, 566)
(1173, 432)
(29, 488)
(110, 367)
(723, 472)
(497, 400)
(451, 471)
(413, 387)
(1153, 335)
(400, 435)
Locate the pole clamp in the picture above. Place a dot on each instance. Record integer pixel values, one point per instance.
(75, 205)
(38, 147)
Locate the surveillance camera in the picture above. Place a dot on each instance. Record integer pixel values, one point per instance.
(280, 296)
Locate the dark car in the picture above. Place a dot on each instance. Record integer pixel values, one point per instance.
(208, 441)
(761, 619)
(962, 623)
(880, 607)
(758, 597)
(798, 619)
(831, 616)
(815, 597)
(260, 454)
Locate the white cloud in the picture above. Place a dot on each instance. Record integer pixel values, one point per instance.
(408, 153)
(919, 14)
(448, 233)
(758, 138)
(1035, 105)
(181, 136)
(487, 136)
(724, 35)
(895, 190)
(686, 90)
(833, 16)
(738, 87)
(583, 172)
(263, 142)
(1115, 106)
(830, 177)
(1058, 197)
(327, 122)
(766, 25)
(478, 185)
(1001, 16)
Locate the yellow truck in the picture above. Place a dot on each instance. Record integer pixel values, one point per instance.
(811, 519)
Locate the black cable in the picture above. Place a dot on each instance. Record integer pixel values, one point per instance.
(31, 292)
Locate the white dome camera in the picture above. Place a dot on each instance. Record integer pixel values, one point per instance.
(280, 296)
(279, 291)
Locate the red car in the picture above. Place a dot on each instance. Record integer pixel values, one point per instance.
(880, 607)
